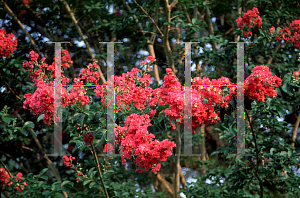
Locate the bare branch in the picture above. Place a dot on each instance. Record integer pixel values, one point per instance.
(11, 13)
(82, 36)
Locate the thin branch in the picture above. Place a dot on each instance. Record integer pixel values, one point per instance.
(49, 162)
(4, 166)
(83, 37)
(153, 36)
(11, 13)
(99, 171)
(177, 160)
(8, 155)
(10, 89)
(149, 17)
(256, 151)
(166, 42)
(295, 131)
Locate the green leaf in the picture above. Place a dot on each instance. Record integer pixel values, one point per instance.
(90, 171)
(24, 131)
(28, 124)
(41, 117)
(59, 195)
(194, 21)
(66, 182)
(44, 177)
(283, 153)
(43, 171)
(160, 117)
(86, 182)
(272, 150)
(285, 87)
(92, 184)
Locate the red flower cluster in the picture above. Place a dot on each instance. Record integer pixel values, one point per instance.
(108, 147)
(261, 84)
(291, 34)
(139, 143)
(250, 18)
(19, 176)
(68, 160)
(296, 74)
(88, 139)
(204, 98)
(8, 43)
(272, 29)
(4, 176)
(130, 90)
(23, 11)
(42, 101)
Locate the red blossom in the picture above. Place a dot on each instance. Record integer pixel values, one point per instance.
(296, 74)
(261, 84)
(67, 161)
(250, 19)
(8, 43)
(88, 138)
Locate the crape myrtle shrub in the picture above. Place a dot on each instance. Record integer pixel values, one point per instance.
(147, 114)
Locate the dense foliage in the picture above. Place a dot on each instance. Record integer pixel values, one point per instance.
(149, 98)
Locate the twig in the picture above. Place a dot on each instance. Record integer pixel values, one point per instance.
(82, 36)
(166, 42)
(11, 13)
(49, 162)
(149, 17)
(177, 161)
(295, 131)
(256, 150)
(8, 155)
(6, 169)
(99, 171)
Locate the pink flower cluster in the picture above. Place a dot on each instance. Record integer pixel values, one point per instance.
(139, 143)
(130, 90)
(290, 34)
(4, 176)
(250, 18)
(296, 74)
(68, 161)
(8, 43)
(42, 100)
(204, 98)
(261, 84)
(151, 59)
(108, 147)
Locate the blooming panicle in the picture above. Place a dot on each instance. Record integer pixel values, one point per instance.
(4, 176)
(108, 147)
(8, 43)
(296, 74)
(249, 19)
(139, 143)
(261, 83)
(130, 90)
(42, 100)
(67, 161)
(290, 34)
(204, 98)
(272, 29)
